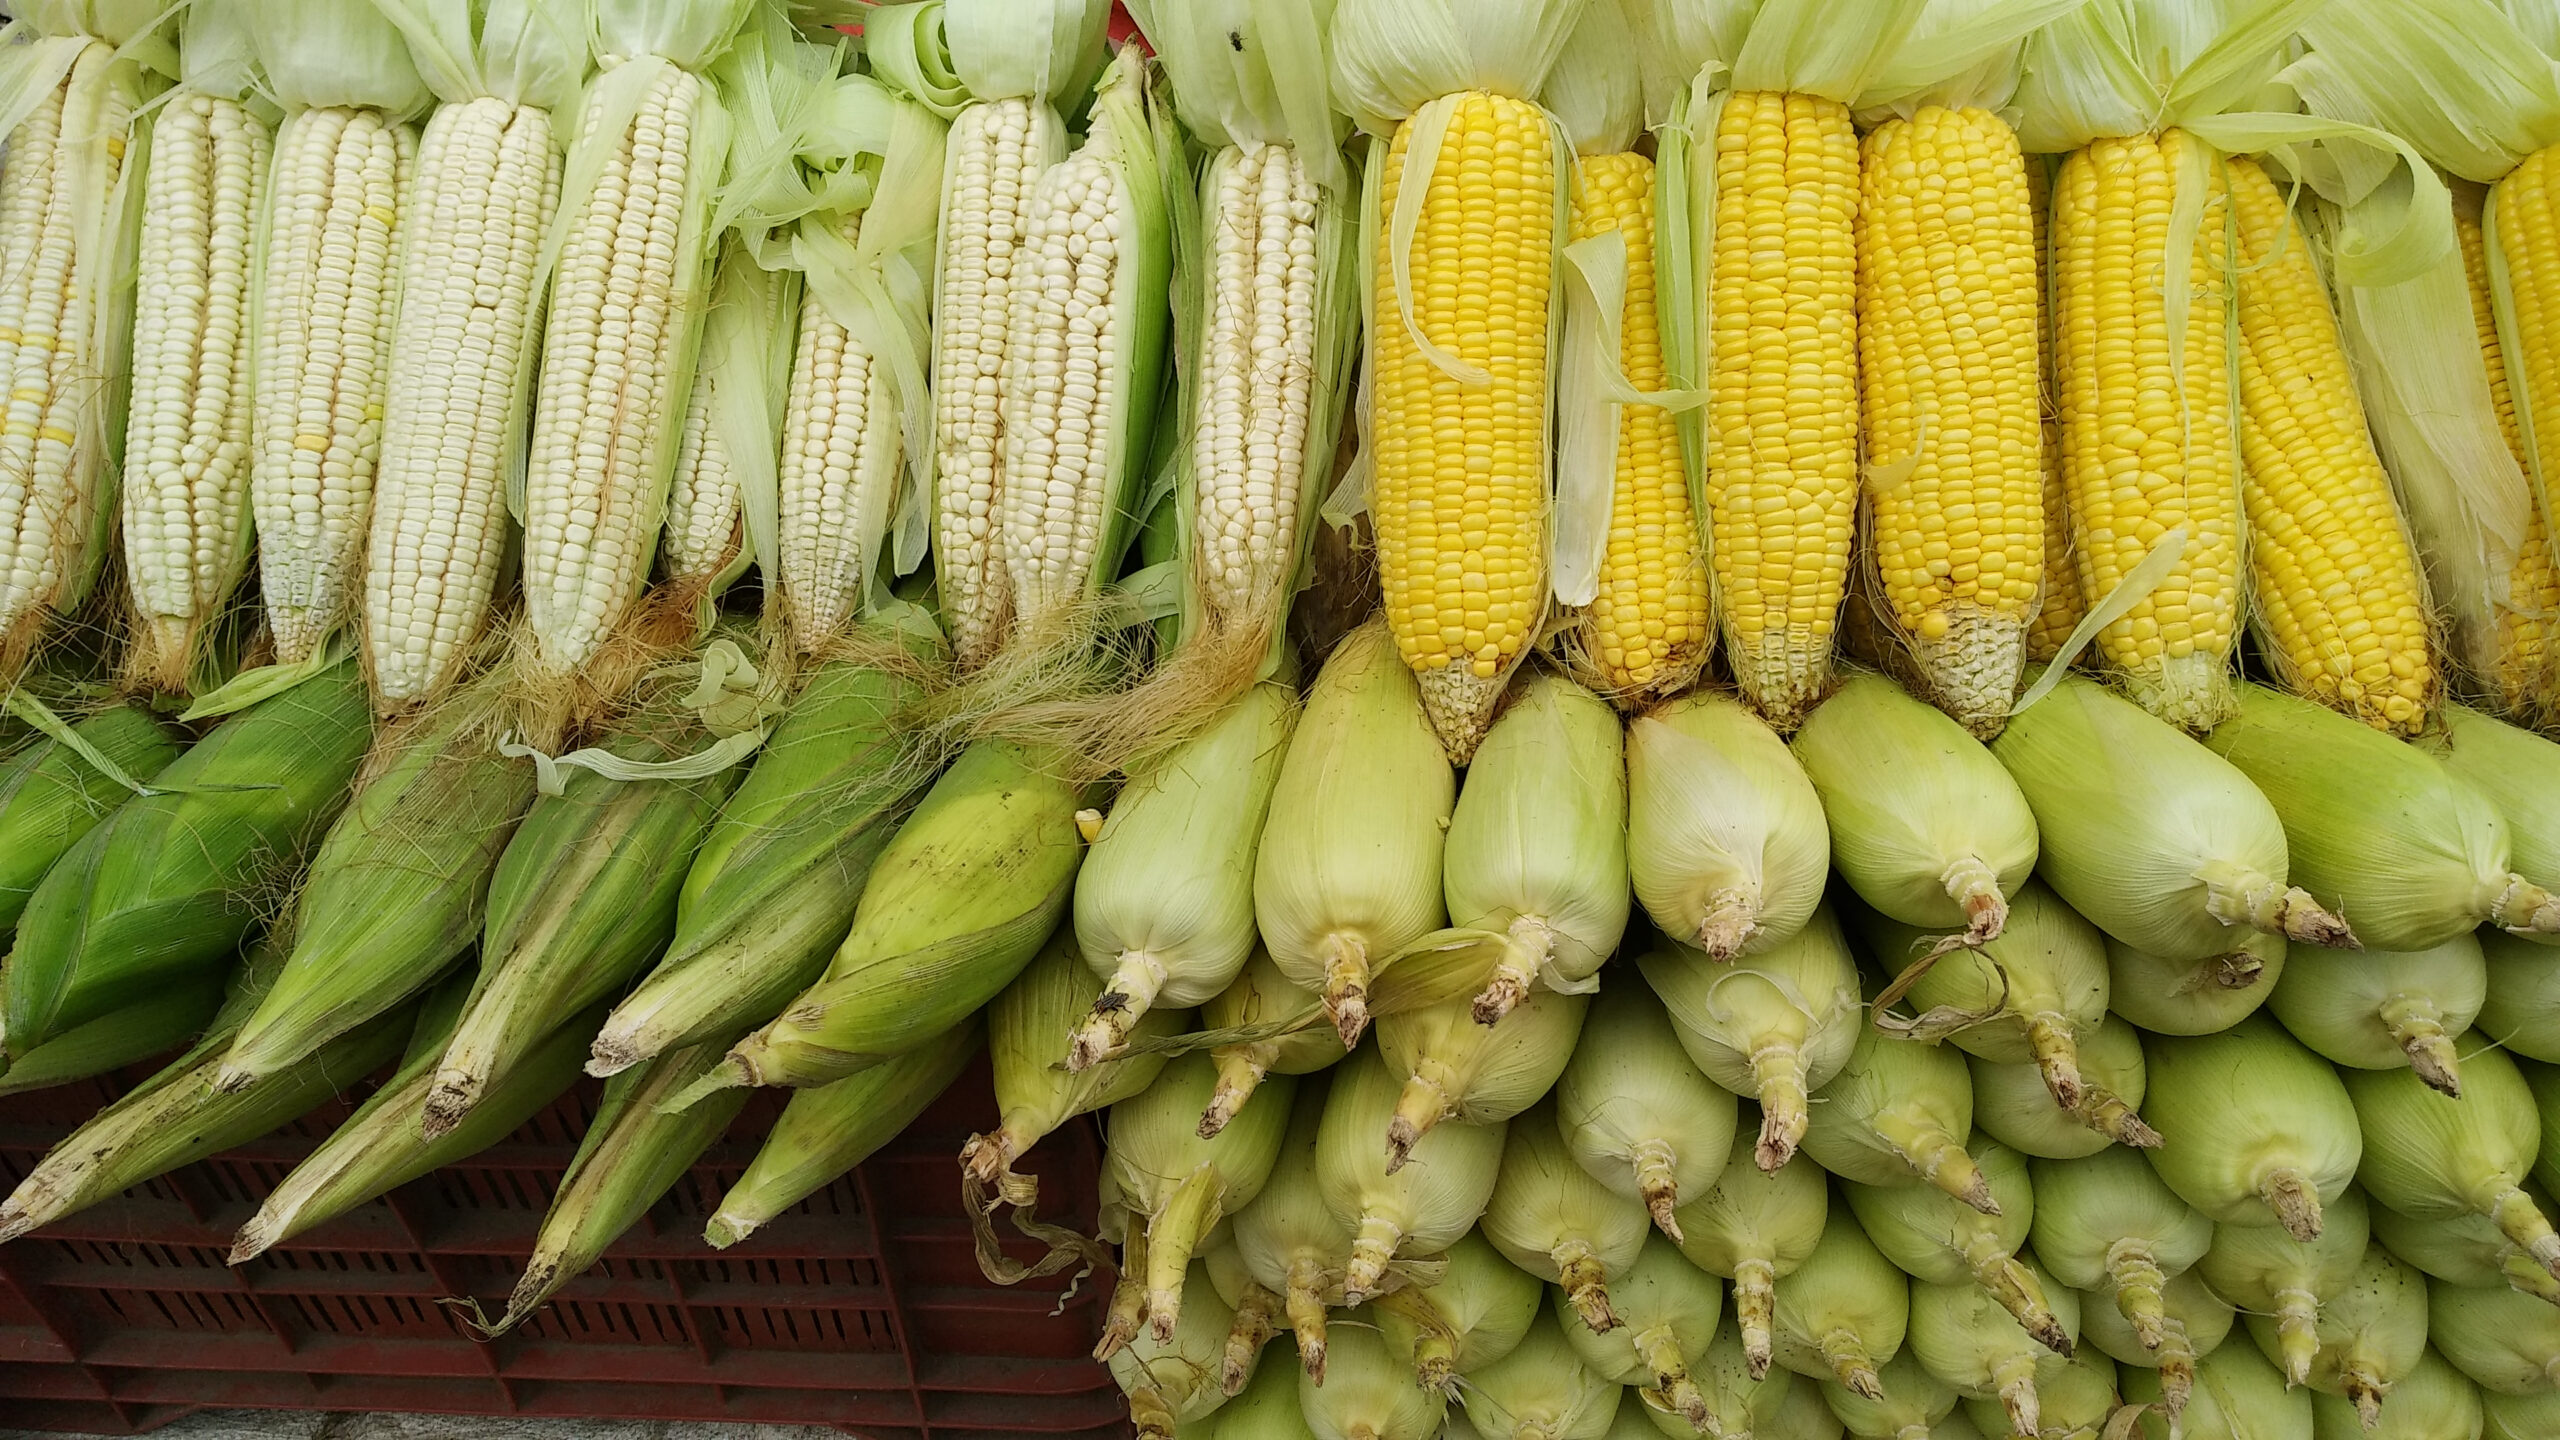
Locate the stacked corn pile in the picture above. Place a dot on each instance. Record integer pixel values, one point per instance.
(2081, 964)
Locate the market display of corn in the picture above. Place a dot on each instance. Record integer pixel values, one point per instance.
(1942, 818)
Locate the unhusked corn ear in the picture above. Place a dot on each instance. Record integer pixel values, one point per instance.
(1177, 1186)
(746, 342)
(1949, 345)
(2146, 448)
(154, 1025)
(172, 881)
(995, 155)
(1034, 1094)
(63, 244)
(1782, 396)
(187, 423)
(1726, 841)
(2058, 604)
(2333, 578)
(1646, 632)
(1460, 469)
(50, 796)
(840, 463)
(324, 340)
(1263, 996)
(460, 377)
(2521, 674)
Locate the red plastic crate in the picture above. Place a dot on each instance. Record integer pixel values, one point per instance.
(863, 1308)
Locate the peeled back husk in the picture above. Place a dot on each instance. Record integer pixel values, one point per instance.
(50, 795)
(2520, 773)
(1181, 1185)
(1556, 1222)
(170, 883)
(1668, 1310)
(1034, 1093)
(2194, 997)
(1755, 1228)
(1726, 841)
(1966, 1339)
(2012, 1105)
(1898, 1114)
(2369, 1335)
(2265, 1271)
(1419, 1209)
(2380, 832)
(2031, 995)
(1289, 1242)
(2386, 1009)
(1925, 826)
(1466, 1073)
(954, 908)
(2521, 1009)
(2163, 844)
(1172, 1382)
(1540, 1391)
(2432, 1402)
(1636, 1112)
(1293, 1037)
(1367, 1395)
(154, 1026)
(1348, 872)
(1913, 1400)
(2237, 1396)
(1934, 1237)
(2260, 1131)
(1773, 1026)
(1844, 1312)
(1164, 903)
(2503, 1341)
(2107, 1225)
(2466, 1250)
(1472, 1315)
(1537, 850)
(2432, 1156)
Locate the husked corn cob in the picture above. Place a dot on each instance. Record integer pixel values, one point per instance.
(746, 342)
(2521, 673)
(1949, 340)
(2058, 605)
(2334, 578)
(841, 456)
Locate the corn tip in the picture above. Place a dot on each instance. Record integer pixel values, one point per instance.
(725, 1230)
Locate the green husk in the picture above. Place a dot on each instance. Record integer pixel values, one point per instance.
(396, 890)
(2200, 997)
(1774, 1025)
(2544, 1082)
(1289, 1241)
(1172, 1381)
(2370, 1334)
(1556, 1222)
(2260, 1130)
(2265, 1271)
(1180, 1184)
(380, 1147)
(955, 907)
(148, 1027)
(1755, 1228)
(2430, 1156)
(1668, 1310)
(2520, 773)
(2237, 1396)
(1738, 1402)
(1925, 826)
(2521, 1417)
(1540, 1391)
(1911, 1403)
(1961, 1335)
(2163, 844)
(1936, 1238)
(584, 896)
(2431, 1402)
(2384, 1009)
(827, 1130)
(1898, 1114)
(1420, 1209)
(1474, 1313)
(2012, 1105)
(50, 795)
(630, 1157)
(2076, 1398)
(2105, 1224)
(2466, 1250)
(2198, 1322)
(172, 882)
(2381, 833)
(1034, 1094)
(176, 1117)
(1164, 904)
(1726, 841)
(1637, 1114)
(1349, 870)
(1265, 1409)
(2501, 1340)
(1369, 1396)
(1802, 1416)
(2032, 994)
(1844, 1312)
(2521, 1010)
(1293, 1035)
(1467, 1073)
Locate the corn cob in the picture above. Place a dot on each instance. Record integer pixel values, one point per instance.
(1179, 1186)
(2059, 605)
(172, 882)
(1034, 1095)
(1553, 1220)
(464, 337)
(2520, 666)
(1289, 1040)
(1726, 841)
(68, 226)
(746, 344)
(50, 795)
(187, 430)
(154, 1025)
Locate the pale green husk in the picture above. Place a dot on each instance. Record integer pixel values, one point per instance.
(1636, 1112)
(2203, 1320)
(50, 795)
(1913, 1402)
(2077, 1398)
(2521, 1417)
(1540, 1391)
(2370, 1335)
(2522, 1008)
(2466, 1250)
(2264, 1271)
(2237, 1396)
(1368, 1394)
(2432, 1402)
(2012, 1105)
(1737, 1400)
(2431, 1156)
(2501, 1340)
(1844, 1312)
(1936, 1238)
(1174, 1381)
(2105, 1224)
(1034, 1093)
(1180, 1184)
(1289, 1029)
(1668, 1310)
(2194, 997)
(1470, 1317)
(2383, 1009)
(1463, 1072)
(1266, 1409)
(1962, 1336)
(2031, 994)
(1755, 1228)
(1898, 1114)
(1726, 840)
(1556, 1222)
(1773, 1026)
(2520, 773)
(2262, 1132)
(1288, 1242)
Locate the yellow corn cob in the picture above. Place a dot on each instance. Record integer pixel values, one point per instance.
(2058, 607)
(1782, 390)
(1647, 630)
(1460, 471)
(187, 428)
(324, 354)
(2146, 449)
(839, 473)
(488, 180)
(2524, 677)
(1948, 350)
(2334, 579)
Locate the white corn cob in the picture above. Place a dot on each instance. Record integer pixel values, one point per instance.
(997, 151)
(745, 342)
(324, 349)
(1250, 432)
(488, 179)
(55, 339)
(840, 453)
(188, 425)
(613, 368)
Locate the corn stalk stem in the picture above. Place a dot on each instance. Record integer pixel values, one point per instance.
(1250, 1331)
(2016, 1288)
(1755, 1304)
(1172, 1234)
(1526, 945)
(2417, 1027)
(1373, 1248)
(1936, 1156)
(1305, 1308)
(1975, 887)
(1658, 1181)
(1135, 983)
(1585, 1282)
(2524, 1224)
(1423, 1103)
(1777, 1070)
(2239, 896)
(1240, 1071)
(2295, 1203)
(1732, 918)
(1659, 1350)
(2134, 1270)
(1346, 986)
(1847, 1356)
(2524, 908)
(2297, 1333)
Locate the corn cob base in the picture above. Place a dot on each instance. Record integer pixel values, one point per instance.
(1971, 669)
